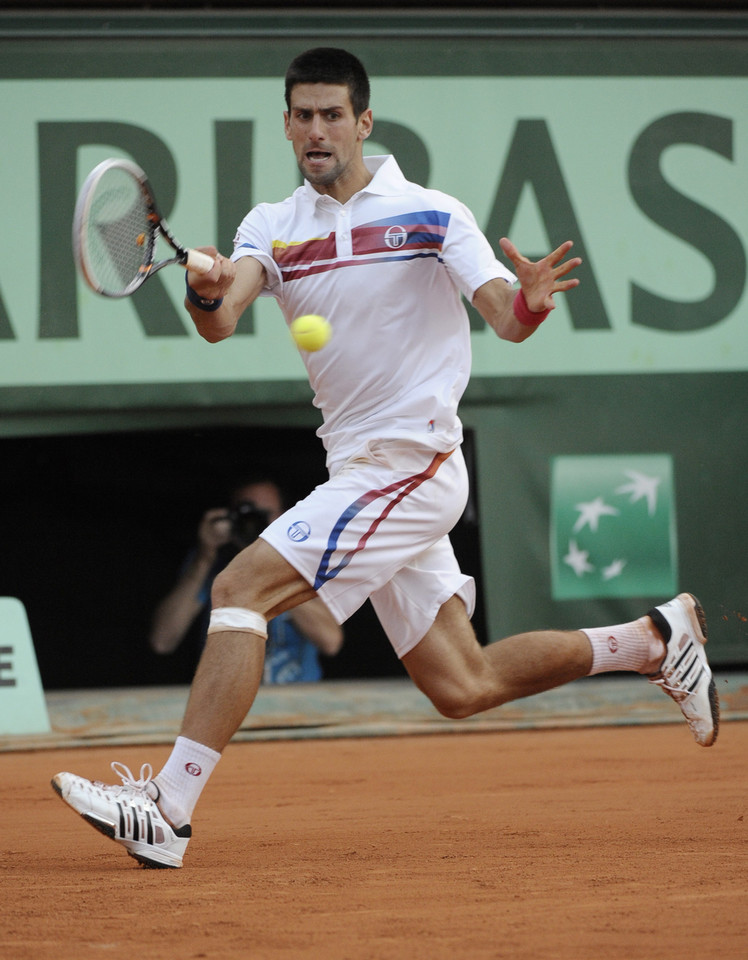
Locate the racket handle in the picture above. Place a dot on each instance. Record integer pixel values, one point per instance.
(199, 262)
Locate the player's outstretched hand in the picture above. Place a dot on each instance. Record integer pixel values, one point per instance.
(541, 279)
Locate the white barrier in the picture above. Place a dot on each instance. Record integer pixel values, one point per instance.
(23, 708)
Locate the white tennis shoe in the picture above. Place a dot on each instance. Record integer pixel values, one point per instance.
(127, 814)
(684, 673)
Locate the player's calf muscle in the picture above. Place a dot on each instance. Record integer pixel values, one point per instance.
(466, 697)
(459, 690)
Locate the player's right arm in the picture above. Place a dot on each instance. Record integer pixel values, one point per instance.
(236, 284)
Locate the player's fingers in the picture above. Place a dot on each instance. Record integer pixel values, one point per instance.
(511, 251)
(227, 269)
(567, 266)
(217, 272)
(219, 278)
(560, 252)
(562, 285)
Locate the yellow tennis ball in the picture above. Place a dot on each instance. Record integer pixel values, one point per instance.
(311, 332)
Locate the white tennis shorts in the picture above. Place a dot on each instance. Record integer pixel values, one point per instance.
(378, 529)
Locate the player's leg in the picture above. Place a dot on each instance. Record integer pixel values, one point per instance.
(666, 645)
(150, 817)
(425, 610)
(257, 585)
(230, 669)
(462, 678)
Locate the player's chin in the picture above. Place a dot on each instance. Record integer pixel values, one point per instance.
(319, 169)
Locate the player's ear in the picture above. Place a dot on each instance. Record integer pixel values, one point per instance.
(365, 125)
(287, 125)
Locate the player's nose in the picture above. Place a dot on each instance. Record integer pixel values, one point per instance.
(316, 128)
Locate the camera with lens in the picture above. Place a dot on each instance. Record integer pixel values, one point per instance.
(247, 522)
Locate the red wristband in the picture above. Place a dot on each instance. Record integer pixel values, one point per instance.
(526, 316)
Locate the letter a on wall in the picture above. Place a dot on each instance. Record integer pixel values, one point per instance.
(22, 705)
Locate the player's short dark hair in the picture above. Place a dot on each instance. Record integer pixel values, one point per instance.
(330, 65)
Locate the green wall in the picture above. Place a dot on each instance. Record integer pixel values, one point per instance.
(698, 420)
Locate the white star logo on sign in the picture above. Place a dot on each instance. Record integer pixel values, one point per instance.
(641, 486)
(590, 513)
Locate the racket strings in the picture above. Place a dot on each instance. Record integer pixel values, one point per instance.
(121, 231)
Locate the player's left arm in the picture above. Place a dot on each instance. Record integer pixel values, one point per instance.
(539, 281)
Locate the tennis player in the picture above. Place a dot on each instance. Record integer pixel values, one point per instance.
(386, 261)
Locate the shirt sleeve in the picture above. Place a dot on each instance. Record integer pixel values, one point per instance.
(468, 256)
(253, 239)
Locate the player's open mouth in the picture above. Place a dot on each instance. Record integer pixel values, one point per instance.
(317, 156)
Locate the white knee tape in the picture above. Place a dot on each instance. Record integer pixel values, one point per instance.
(224, 619)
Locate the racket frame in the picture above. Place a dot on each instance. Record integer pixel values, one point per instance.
(190, 259)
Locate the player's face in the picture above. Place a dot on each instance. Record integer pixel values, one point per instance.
(326, 136)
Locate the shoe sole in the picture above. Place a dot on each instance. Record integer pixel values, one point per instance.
(108, 830)
(712, 689)
(698, 610)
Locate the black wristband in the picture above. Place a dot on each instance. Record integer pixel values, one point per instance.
(201, 303)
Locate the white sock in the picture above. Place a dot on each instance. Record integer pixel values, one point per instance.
(635, 646)
(182, 779)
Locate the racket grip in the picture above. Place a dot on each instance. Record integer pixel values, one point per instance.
(199, 262)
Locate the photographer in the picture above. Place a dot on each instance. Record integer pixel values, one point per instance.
(295, 638)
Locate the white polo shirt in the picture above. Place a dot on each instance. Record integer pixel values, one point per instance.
(387, 269)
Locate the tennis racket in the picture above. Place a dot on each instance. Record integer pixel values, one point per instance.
(115, 228)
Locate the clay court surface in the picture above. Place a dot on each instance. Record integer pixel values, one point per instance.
(622, 842)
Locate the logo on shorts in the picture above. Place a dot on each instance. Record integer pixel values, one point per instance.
(396, 237)
(194, 769)
(299, 531)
